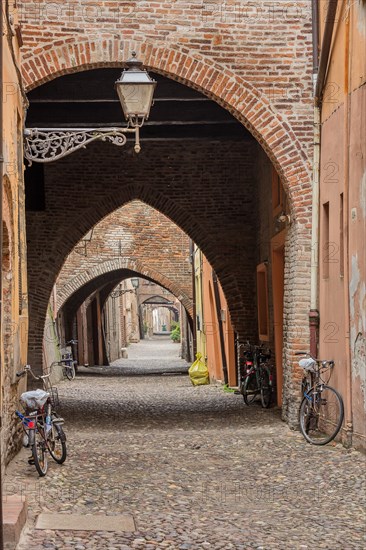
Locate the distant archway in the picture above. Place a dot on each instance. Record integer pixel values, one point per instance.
(114, 271)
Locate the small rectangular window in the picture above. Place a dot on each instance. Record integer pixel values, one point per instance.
(35, 188)
(325, 241)
(262, 302)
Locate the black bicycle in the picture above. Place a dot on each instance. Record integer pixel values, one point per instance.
(256, 376)
(321, 410)
(42, 426)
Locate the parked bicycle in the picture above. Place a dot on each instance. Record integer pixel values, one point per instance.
(321, 410)
(67, 360)
(256, 376)
(43, 432)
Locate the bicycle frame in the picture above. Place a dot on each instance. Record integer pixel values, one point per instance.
(41, 424)
(316, 382)
(35, 422)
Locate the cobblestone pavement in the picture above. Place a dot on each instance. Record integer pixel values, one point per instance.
(194, 466)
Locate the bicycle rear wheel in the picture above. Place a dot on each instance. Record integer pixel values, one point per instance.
(56, 442)
(321, 415)
(39, 453)
(250, 388)
(266, 388)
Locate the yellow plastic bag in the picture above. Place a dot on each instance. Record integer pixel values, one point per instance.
(198, 372)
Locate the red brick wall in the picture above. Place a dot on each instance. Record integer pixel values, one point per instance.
(253, 58)
(135, 237)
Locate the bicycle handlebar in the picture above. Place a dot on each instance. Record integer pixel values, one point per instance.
(28, 368)
(324, 362)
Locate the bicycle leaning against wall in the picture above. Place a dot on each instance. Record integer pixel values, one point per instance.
(256, 376)
(42, 426)
(67, 360)
(321, 410)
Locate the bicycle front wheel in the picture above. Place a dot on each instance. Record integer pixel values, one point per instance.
(250, 388)
(56, 443)
(39, 453)
(266, 388)
(70, 372)
(321, 415)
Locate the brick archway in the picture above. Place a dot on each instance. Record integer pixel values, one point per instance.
(238, 96)
(114, 267)
(271, 129)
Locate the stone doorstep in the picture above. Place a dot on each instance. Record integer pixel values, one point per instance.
(86, 522)
(15, 510)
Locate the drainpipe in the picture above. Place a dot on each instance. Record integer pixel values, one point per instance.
(346, 282)
(325, 48)
(314, 313)
(1, 260)
(221, 330)
(319, 78)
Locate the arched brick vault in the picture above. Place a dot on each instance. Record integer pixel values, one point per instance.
(278, 137)
(241, 98)
(234, 61)
(115, 270)
(187, 188)
(218, 210)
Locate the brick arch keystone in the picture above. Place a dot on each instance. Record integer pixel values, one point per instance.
(65, 292)
(219, 83)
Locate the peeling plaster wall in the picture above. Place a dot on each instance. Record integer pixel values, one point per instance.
(14, 282)
(357, 263)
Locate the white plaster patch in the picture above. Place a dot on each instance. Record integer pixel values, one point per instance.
(354, 282)
(362, 307)
(363, 195)
(361, 18)
(359, 363)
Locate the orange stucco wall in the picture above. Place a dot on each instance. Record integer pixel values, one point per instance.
(211, 324)
(342, 292)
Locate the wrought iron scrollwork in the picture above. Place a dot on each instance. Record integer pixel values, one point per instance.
(50, 144)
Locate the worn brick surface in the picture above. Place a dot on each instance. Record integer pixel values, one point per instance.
(254, 58)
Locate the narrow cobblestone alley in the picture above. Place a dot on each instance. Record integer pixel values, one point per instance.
(192, 465)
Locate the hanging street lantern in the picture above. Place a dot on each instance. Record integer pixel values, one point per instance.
(135, 90)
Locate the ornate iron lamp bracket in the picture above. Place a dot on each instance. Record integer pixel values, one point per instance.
(118, 293)
(50, 144)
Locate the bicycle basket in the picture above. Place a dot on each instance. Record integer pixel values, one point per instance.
(53, 391)
(66, 353)
(308, 364)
